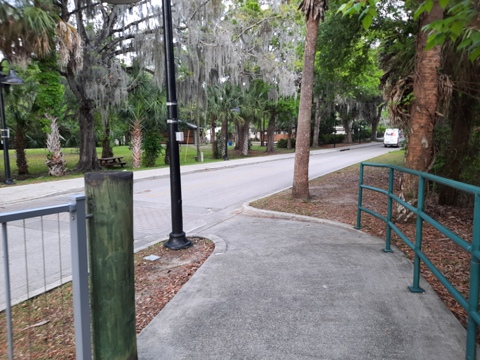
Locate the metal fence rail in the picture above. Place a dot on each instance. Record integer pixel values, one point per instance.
(473, 248)
(75, 210)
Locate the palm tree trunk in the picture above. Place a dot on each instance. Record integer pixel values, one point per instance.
(302, 154)
(245, 138)
(271, 133)
(316, 128)
(424, 105)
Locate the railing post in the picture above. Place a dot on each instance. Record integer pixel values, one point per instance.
(360, 194)
(110, 229)
(8, 300)
(418, 237)
(81, 303)
(388, 231)
(474, 286)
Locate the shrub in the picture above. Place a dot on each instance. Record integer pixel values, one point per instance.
(283, 143)
(332, 138)
(152, 148)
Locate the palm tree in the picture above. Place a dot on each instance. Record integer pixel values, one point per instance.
(222, 99)
(252, 111)
(314, 10)
(424, 105)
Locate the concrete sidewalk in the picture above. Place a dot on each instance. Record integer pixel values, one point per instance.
(287, 287)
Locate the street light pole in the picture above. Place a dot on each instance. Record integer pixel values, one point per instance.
(10, 79)
(177, 239)
(5, 135)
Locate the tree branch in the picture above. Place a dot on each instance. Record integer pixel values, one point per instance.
(196, 10)
(132, 24)
(235, 38)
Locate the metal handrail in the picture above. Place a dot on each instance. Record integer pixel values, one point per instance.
(470, 304)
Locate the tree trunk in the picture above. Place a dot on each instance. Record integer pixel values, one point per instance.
(224, 144)
(245, 139)
(289, 138)
(212, 134)
(240, 137)
(347, 125)
(107, 150)
(271, 133)
(424, 105)
(375, 121)
(302, 154)
(262, 133)
(197, 133)
(237, 136)
(22, 164)
(88, 153)
(136, 144)
(316, 128)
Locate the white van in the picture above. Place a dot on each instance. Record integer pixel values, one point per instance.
(393, 137)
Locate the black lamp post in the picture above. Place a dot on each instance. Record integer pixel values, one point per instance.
(177, 239)
(10, 79)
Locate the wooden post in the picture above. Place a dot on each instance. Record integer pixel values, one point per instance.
(110, 230)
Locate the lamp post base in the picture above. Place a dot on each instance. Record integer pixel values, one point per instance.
(177, 242)
(9, 182)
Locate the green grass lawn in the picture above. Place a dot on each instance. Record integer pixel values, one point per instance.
(38, 170)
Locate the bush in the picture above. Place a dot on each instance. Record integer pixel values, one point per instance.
(332, 138)
(283, 143)
(365, 134)
(152, 148)
(380, 130)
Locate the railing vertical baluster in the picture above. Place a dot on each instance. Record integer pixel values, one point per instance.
(418, 237)
(389, 212)
(360, 193)
(81, 304)
(8, 300)
(474, 286)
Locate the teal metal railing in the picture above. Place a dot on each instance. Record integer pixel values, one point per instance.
(473, 248)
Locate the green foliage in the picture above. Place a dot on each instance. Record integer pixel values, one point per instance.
(152, 148)
(380, 131)
(471, 163)
(442, 136)
(332, 138)
(50, 92)
(346, 65)
(252, 5)
(458, 22)
(364, 135)
(283, 143)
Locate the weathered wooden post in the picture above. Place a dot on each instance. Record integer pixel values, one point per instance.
(110, 237)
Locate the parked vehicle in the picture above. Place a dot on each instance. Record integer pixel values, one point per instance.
(393, 137)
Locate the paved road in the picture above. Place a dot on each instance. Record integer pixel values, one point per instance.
(210, 192)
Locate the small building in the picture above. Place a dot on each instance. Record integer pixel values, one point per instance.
(189, 131)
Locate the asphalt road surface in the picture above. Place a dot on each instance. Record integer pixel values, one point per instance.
(41, 248)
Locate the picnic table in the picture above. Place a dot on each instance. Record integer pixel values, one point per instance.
(112, 161)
